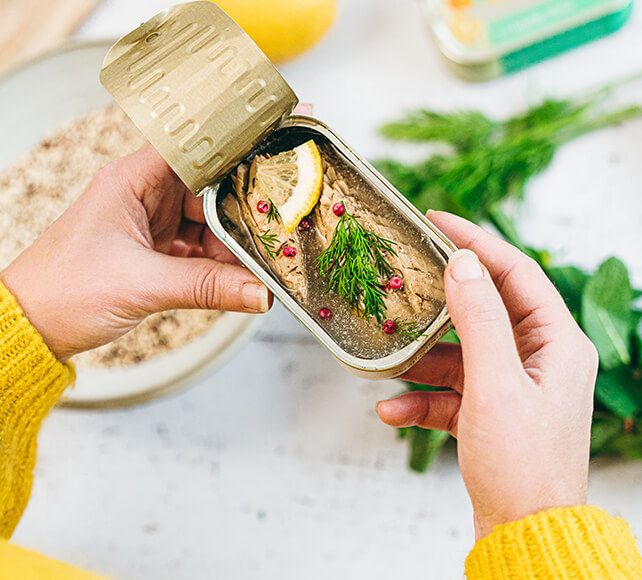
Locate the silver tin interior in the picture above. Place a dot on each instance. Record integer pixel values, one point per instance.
(387, 367)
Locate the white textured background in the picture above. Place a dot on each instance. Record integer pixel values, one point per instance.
(275, 467)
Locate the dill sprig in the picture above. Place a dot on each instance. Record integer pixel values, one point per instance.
(273, 214)
(409, 329)
(355, 263)
(268, 241)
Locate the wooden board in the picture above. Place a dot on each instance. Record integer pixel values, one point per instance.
(28, 27)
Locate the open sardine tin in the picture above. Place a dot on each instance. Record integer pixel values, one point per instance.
(208, 100)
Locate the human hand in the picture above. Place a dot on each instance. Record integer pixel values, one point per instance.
(522, 382)
(134, 243)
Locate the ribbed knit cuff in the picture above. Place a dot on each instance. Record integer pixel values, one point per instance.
(31, 381)
(566, 543)
(20, 564)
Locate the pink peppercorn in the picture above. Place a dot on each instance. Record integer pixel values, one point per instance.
(389, 327)
(306, 224)
(395, 283)
(339, 209)
(289, 252)
(325, 313)
(263, 206)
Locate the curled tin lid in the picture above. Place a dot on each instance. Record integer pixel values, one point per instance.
(198, 88)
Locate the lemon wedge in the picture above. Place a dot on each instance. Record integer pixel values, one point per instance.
(292, 180)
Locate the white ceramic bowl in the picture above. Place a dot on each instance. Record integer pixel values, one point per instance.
(35, 98)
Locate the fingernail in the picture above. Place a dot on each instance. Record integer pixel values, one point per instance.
(255, 297)
(464, 265)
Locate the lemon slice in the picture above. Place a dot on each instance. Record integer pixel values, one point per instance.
(293, 181)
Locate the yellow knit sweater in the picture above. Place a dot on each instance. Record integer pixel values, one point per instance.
(581, 543)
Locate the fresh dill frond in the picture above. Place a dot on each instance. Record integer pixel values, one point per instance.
(409, 329)
(268, 241)
(492, 160)
(355, 263)
(463, 129)
(273, 214)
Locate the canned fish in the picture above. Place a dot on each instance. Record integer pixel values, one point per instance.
(344, 251)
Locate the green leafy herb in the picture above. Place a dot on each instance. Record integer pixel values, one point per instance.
(629, 446)
(606, 313)
(619, 391)
(268, 241)
(570, 282)
(425, 446)
(491, 162)
(606, 430)
(355, 263)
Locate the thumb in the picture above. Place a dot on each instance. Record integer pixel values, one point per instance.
(480, 318)
(205, 284)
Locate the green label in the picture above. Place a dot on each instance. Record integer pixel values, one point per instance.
(536, 18)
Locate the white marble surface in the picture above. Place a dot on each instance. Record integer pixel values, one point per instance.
(276, 467)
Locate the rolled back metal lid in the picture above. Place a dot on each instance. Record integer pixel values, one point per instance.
(198, 88)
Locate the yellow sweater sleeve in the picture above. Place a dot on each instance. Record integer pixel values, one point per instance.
(19, 564)
(561, 543)
(31, 381)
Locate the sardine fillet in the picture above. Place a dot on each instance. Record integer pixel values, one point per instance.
(290, 270)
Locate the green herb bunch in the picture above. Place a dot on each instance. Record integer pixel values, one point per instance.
(492, 161)
(355, 263)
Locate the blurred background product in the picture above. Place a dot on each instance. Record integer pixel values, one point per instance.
(283, 29)
(482, 39)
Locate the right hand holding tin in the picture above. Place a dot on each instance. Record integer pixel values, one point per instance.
(134, 243)
(522, 382)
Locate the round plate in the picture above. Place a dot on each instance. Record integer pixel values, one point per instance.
(37, 97)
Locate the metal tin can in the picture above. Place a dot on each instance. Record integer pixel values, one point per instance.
(482, 39)
(207, 99)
